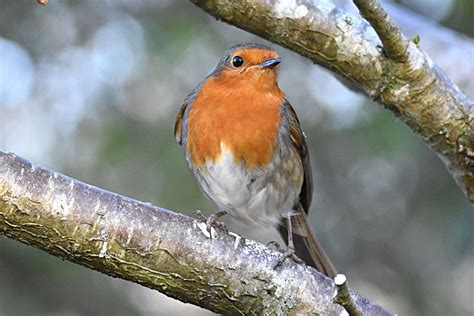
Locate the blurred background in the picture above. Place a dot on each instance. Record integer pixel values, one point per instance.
(91, 89)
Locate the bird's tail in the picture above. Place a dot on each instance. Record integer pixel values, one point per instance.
(307, 247)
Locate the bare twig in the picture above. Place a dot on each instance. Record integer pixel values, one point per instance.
(416, 91)
(445, 46)
(343, 296)
(394, 43)
(157, 248)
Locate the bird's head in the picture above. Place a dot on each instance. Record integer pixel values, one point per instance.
(249, 65)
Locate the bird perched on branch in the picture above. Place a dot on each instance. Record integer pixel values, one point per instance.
(244, 145)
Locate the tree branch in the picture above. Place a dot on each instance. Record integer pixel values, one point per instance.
(414, 89)
(394, 43)
(157, 248)
(445, 46)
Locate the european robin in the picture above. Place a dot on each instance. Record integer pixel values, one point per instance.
(245, 147)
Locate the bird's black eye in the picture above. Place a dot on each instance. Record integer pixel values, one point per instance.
(237, 61)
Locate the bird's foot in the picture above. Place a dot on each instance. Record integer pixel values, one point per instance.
(274, 245)
(199, 216)
(212, 221)
(288, 253)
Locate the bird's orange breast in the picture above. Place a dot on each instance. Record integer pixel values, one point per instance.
(233, 116)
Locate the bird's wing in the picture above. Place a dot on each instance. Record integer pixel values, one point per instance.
(298, 141)
(178, 125)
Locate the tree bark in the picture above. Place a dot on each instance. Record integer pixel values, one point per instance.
(379, 61)
(157, 248)
(445, 46)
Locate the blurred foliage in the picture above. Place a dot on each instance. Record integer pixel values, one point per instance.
(107, 79)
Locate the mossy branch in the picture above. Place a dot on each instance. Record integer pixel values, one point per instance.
(157, 248)
(395, 73)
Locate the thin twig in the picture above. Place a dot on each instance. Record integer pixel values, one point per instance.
(394, 43)
(343, 296)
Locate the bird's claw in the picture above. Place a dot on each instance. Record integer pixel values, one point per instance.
(199, 216)
(212, 221)
(288, 253)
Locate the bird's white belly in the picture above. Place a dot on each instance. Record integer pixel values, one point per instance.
(259, 195)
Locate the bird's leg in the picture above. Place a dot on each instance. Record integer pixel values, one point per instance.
(290, 249)
(212, 220)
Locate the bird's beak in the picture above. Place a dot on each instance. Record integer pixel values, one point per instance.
(270, 62)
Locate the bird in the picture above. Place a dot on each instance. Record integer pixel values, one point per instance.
(245, 147)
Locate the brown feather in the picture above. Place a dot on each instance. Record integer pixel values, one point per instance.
(178, 125)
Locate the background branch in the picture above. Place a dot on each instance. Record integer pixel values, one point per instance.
(394, 43)
(157, 248)
(445, 46)
(416, 91)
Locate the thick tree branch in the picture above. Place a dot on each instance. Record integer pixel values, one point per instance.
(414, 89)
(157, 248)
